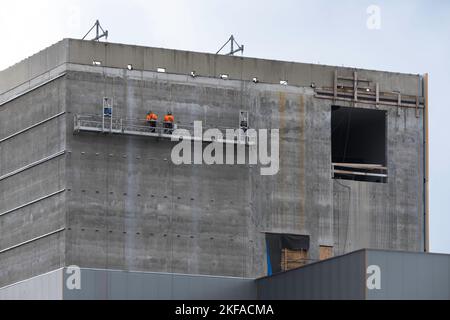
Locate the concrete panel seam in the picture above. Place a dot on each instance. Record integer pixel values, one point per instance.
(32, 240)
(31, 165)
(32, 89)
(32, 202)
(32, 126)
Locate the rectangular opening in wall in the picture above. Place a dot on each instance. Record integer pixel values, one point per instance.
(358, 142)
(286, 251)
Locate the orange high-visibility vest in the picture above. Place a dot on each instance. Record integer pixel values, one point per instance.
(168, 118)
(152, 116)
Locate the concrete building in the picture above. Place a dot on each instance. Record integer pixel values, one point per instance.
(106, 196)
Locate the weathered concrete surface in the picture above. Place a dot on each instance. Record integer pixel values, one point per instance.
(183, 62)
(194, 219)
(37, 65)
(231, 206)
(388, 216)
(127, 206)
(27, 185)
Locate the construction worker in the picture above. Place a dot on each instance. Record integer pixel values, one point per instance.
(244, 125)
(152, 119)
(168, 122)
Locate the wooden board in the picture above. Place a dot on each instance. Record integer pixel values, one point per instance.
(325, 252)
(291, 259)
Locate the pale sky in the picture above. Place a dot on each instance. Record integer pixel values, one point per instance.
(413, 38)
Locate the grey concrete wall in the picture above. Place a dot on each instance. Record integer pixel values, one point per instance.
(134, 209)
(386, 216)
(183, 62)
(128, 207)
(240, 68)
(31, 204)
(99, 284)
(34, 66)
(339, 278)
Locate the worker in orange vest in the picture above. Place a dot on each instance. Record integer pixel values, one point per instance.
(168, 122)
(152, 118)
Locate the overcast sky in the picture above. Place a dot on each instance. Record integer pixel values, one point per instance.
(413, 37)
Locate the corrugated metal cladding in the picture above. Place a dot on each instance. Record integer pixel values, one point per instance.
(397, 275)
(48, 286)
(401, 275)
(336, 278)
(109, 284)
(410, 275)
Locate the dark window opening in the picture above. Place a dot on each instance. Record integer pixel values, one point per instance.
(358, 141)
(286, 251)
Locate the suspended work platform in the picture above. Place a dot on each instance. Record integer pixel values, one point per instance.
(98, 123)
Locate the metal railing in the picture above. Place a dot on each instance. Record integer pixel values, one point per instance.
(96, 123)
(362, 170)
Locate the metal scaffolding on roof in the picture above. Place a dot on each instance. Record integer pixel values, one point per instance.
(99, 35)
(232, 42)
